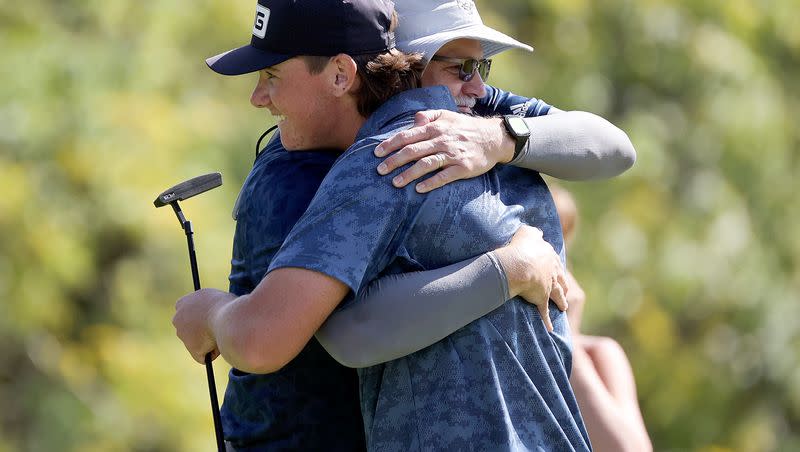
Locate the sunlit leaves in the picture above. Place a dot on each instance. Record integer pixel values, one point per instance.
(690, 259)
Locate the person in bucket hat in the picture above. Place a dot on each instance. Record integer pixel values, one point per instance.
(453, 147)
(437, 29)
(426, 26)
(309, 428)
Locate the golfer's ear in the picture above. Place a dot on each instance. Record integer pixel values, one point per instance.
(344, 75)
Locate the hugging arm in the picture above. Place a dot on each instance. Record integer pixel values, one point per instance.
(569, 145)
(575, 145)
(399, 314)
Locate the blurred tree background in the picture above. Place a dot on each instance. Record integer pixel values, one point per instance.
(689, 259)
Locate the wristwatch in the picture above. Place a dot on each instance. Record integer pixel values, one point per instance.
(519, 131)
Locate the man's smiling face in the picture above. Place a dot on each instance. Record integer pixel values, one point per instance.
(299, 100)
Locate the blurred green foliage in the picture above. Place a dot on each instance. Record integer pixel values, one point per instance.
(689, 259)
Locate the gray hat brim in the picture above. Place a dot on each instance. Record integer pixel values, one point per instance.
(492, 41)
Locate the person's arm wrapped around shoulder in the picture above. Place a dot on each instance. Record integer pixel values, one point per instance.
(397, 315)
(568, 145)
(588, 147)
(449, 146)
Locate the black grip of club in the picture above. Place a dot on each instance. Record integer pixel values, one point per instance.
(212, 386)
(187, 227)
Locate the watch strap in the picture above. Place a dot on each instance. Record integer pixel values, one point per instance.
(520, 140)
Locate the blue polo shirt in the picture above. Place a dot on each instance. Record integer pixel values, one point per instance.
(499, 383)
(313, 402)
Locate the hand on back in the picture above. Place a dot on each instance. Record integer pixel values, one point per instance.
(534, 271)
(453, 145)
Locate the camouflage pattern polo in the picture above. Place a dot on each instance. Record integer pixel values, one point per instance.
(499, 383)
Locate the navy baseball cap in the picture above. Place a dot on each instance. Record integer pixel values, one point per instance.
(288, 28)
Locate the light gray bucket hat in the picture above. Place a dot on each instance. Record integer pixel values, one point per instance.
(426, 25)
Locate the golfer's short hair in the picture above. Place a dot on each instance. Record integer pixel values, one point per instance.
(382, 76)
(385, 75)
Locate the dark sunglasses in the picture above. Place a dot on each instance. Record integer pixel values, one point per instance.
(468, 67)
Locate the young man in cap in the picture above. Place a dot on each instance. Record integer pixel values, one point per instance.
(286, 126)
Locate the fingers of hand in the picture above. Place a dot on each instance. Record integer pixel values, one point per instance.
(559, 298)
(200, 347)
(406, 137)
(544, 311)
(424, 166)
(199, 357)
(408, 154)
(191, 332)
(562, 281)
(533, 230)
(424, 117)
(527, 233)
(443, 177)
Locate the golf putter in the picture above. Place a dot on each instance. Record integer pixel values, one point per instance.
(171, 196)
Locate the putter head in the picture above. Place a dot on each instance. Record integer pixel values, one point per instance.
(189, 188)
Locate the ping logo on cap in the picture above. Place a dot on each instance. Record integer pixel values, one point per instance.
(260, 25)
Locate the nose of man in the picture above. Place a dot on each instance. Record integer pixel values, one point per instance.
(260, 97)
(475, 87)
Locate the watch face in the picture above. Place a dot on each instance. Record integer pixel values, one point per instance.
(518, 126)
